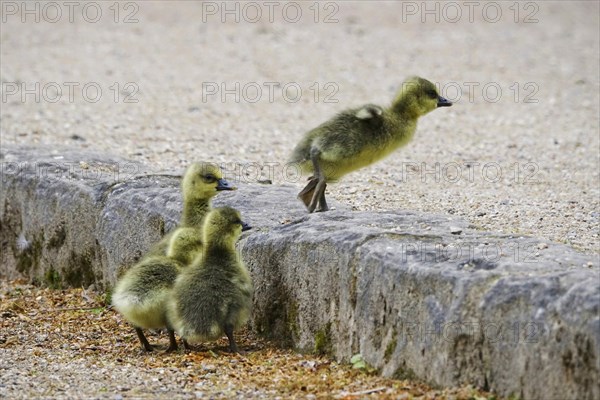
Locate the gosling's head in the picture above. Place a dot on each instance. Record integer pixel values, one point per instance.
(223, 225)
(203, 181)
(419, 96)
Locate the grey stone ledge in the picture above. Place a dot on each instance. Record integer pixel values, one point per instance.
(418, 295)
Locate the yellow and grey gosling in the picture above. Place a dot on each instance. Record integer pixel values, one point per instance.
(358, 137)
(141, 296)
(200, 183)
(213, 295)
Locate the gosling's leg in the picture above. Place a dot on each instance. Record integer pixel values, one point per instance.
(229, 332)
(172, 341)
(143, 339)
(322, 201)
(186, 345)
(318, 197)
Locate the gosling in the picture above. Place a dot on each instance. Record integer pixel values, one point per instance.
(359, 137)
(141, 293)
(200, 183)
(141, 296)
(214, 294)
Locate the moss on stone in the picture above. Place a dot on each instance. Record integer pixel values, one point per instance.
(323, 343)
(278, 320)
(80, 269)
(390, 348)
(107, 297)
(52, 279)
(353, 286)
(405, 373)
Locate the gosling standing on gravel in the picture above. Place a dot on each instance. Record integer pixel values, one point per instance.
(141, 294)
(358, 137)
(214, 294)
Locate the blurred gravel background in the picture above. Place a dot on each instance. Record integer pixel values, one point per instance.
(518, 153)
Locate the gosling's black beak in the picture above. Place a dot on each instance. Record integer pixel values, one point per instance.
(222, 184)
(245, 227)
(443, 102)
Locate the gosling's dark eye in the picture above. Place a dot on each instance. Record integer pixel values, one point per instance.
(210, 178)
(431, 94)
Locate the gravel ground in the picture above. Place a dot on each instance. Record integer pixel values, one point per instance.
(524, 160)
(65, 344)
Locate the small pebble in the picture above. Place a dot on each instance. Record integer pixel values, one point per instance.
(209, 368)
(455, 230)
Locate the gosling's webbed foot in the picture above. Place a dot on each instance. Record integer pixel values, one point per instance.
(313, 196)
(307, 193)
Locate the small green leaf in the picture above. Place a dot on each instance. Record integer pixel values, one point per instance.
(358, 362)
(356, 358)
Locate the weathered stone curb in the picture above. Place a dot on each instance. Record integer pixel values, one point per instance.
(417, 295)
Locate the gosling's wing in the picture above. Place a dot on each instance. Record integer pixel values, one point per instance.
(370, 112)
(343, 135)
(320, 135)
(350, 132)
(144, 280)
(156, 272)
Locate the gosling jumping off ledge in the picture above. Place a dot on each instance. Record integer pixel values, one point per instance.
(358, 137)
